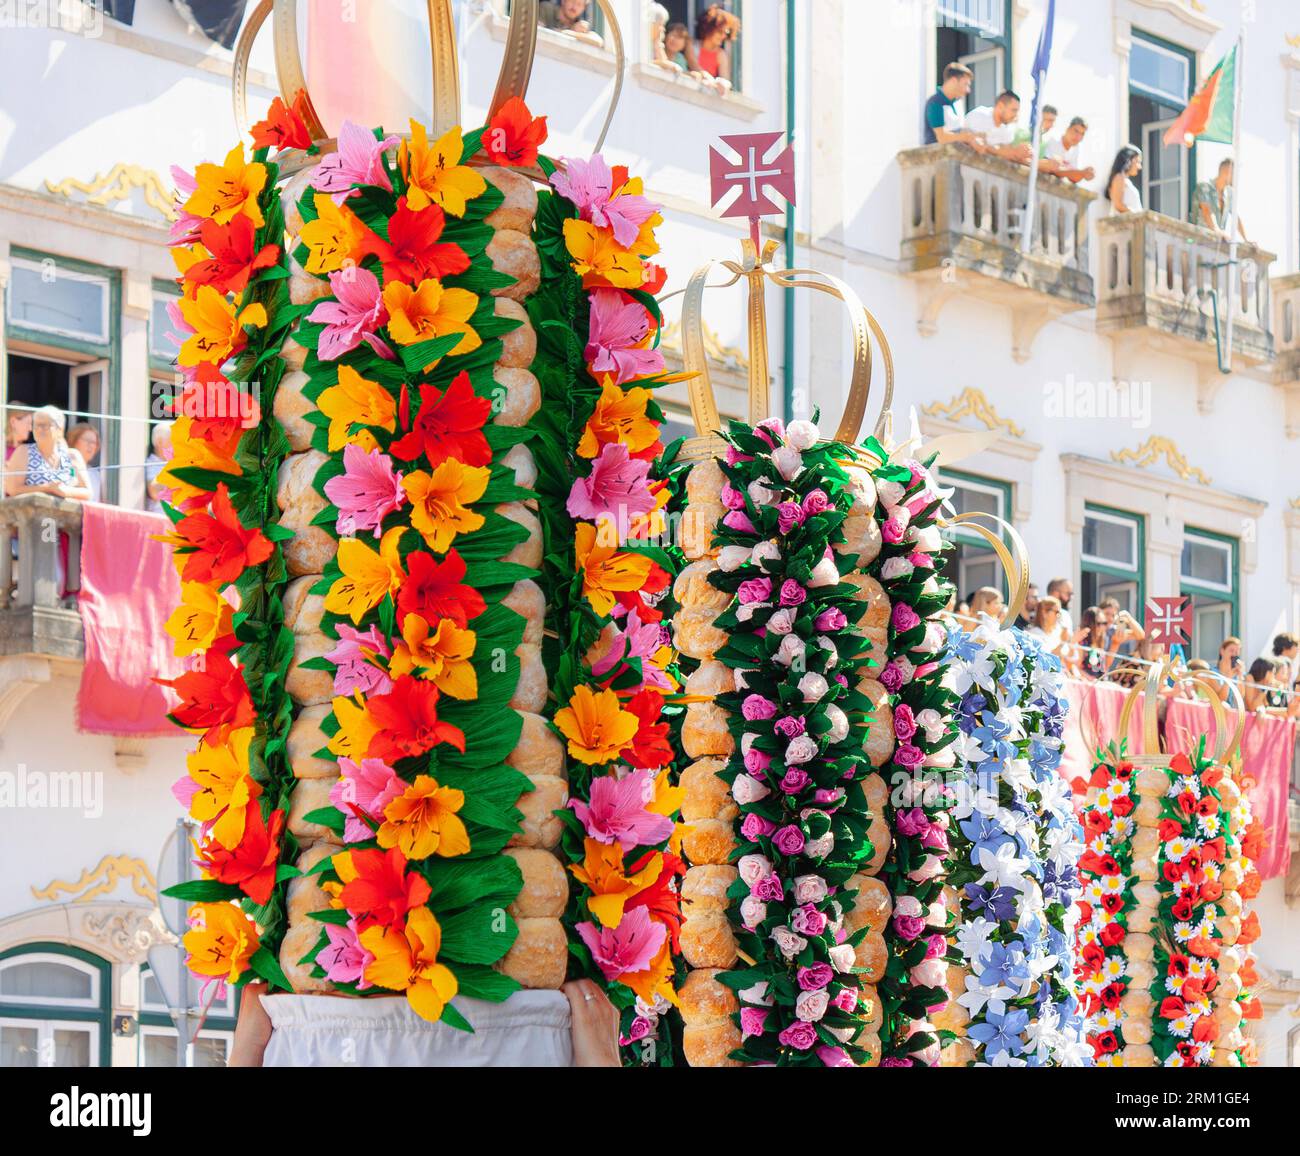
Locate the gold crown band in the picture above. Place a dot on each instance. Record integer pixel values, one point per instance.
(754, 268)
(516, 64)
(1148, 693)
(1014, 558)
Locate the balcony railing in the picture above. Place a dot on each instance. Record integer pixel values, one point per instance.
(965, 209)
(39, 576)
(1286, 326)
(1159, 273)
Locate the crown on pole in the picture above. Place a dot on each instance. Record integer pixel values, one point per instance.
(753, 176)
(516, 65)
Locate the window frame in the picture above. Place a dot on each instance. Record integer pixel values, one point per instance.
(1231, 595)
(1092, 564)
(1004, 491)
(18, 1010)
(1193, 72)
(33, 261)
(1005, 42)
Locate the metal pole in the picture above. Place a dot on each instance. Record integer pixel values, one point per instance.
(1027, 227)
(1238, 83)
(787, 302)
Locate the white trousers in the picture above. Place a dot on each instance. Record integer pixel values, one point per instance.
(530, 1030)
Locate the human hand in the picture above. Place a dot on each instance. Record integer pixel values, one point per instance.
(595, 1026)
(1089, 173)
(253, 1031)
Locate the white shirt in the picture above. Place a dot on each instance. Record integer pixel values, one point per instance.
(1056, 151)
(980, 120)
(1132, 198)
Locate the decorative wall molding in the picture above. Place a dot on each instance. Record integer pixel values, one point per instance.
(117, 185)
(102, 879)
(119, 931)
(973, 403)
(1151, 451)
(731, 356)
(127, 933)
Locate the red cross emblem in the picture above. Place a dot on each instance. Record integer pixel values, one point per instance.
(1169, 620)
(752, 175)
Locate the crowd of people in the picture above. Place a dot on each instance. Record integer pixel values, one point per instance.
(994, 130)
(1109, 644)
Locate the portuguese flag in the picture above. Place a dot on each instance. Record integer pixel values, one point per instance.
(1208, 116)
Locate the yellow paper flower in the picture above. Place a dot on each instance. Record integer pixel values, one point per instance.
(442, 655)
(187, 452)
(334, 238)
(668, 799)
(596, 725)
(356, 728)
(434, 175)
(620, 416)
(656, 980)
(605, 569)
(422, 821)
(439, 500)
(595, 253)
(226, 190)
(221, 941)
(202, 617)
(366, 576)
(408, 961)
(225, 787)
(430, 311)
(218, 329)
(355, 401)
(602, 871)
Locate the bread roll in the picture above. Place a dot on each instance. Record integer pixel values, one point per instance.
(532, 689)
(519, 346)
(705, 795)
(310, 795)
(708, 841)
(520, 461)
(304, 740)
(546, 887)
(539, 752)
(705, 481)
(695, 635)
(519, 208)
(705, 731)
(704, 889)
(539, 958)
(291, 408)
(527, 600)
(513, 254)
(692, 587)
(540, 826)
(707, 941)
(529, 551)
(300, 940)
(516, 398)
(305, 686)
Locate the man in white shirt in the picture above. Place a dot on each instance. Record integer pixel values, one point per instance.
(997, 125)
(1061, 154)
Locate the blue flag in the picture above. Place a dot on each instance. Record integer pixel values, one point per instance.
(1042, 60)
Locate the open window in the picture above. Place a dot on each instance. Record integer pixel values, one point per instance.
(1208, 575)
(972, 563)
(1113, 561)
(54, 1008)
(687, 12)
(159, 1040)
(1160, 83)
(976, 33)
(583, 21)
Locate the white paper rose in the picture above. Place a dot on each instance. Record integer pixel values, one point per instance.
(809, 889)
(813, 687)
(802, 749)
(752, 868)
(747, 789)
(812, 1005)
(782, 622)
(819, 848)
(825, 573)
(752, 911)
(843, 958)
(733, 557)
(788, 462)
(802, 435)
(788, 943)
(839, 723)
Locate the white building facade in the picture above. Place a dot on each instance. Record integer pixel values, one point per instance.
(1124, 456)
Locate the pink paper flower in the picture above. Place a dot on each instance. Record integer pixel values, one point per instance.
(634, 639)
(355, 668)
(367, 491)
(629, 947)
(618, 812)
(343, 958)
(368, 786)
(616, 342)
(354, 317)
(357, 161)
(617, 487)
(589, 184)
(185, 229)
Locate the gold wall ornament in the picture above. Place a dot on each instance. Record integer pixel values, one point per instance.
(117, 185)
(1294, 41)
(972, 402)
(102, 879)
(512, 81)
(1152, 450)
(755, 269)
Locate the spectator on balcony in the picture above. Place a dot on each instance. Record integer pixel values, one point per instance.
(1062, 589)
(1122, 193)
(1047, 626)
(47, 465)
(83, 441)
(1025, 136)
(156, 493)
(942, 124)
(1061, 154)
(677, 39)
(1286, 649)
(18, 428)
(1261, 679)
(714, 28)
(1210, 203)
(996, 127)
(1122, 632)
(988, 600)
(565, 16)
(1229, 663)
(1090, 639)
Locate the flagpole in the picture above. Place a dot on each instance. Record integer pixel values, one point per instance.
(1238, 83)
(1027, 229)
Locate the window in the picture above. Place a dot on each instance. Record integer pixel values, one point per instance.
(49, 296)
(1114, 550)
(54, 1007)
(162, 353)
(688, 11)
(1208, 575)
(1160, 83)
(973, 563)
(158, 1036)
(560, 16)
(976, 33)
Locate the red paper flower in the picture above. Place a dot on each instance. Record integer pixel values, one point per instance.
(1184, 909)
(514, 135)
(383, 891)
(234, 255)
(1123, 805)
(1105, 1044)
(408, 721)
(1096, 823)
(661, 898)
(222, 548)
(656, 580)
(284, 127)
(1112, 935)
(1249, 929)
(220, 412)
(1169, 829)
(435, 590)
(252, 864)
(413, 251)
(1111, 995)
(449, 425)
(214, 699)
(650, 747)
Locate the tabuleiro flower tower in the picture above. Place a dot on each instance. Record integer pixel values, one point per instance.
(806, 624)
(363, 536)
(1163, 946)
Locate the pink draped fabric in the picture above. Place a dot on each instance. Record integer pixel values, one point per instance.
(1093, 721)
(1267, 750)
(129, 588)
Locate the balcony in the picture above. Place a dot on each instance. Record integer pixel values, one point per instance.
(1286, 346)
(962, 214)
(36, 617)
(1165, 284)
